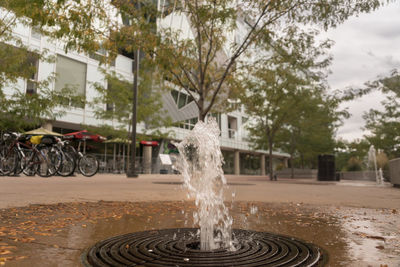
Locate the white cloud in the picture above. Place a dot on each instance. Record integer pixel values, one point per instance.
(365, 47)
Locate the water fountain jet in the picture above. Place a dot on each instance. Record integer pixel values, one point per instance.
(201, 166)
(372, 160)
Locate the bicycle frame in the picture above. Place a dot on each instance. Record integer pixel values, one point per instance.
(17, 144)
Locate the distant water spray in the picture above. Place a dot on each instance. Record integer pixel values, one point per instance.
(200, 163)
(372, 160)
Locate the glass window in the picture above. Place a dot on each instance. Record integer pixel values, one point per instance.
(33, 63)
(182, 100)
(109, 106)
(189, 99)
(71, 74)
(175, 95)
(35, 33)
(99, 55)
(189, 124)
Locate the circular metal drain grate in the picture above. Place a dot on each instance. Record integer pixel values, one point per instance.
(179, 247)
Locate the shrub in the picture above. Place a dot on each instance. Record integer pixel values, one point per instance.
(354, 165)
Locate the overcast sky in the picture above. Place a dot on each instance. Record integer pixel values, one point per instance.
(365, 47)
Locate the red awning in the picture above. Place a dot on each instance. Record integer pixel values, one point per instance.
(149, 143)
(85, 135)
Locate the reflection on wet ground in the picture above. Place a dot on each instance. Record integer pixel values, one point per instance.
(57, 235)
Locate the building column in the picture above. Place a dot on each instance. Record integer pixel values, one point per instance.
(286, 162)
(262, 164)
(237, 162)
(147, 159)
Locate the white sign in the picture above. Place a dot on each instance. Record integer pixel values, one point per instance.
(165, 159)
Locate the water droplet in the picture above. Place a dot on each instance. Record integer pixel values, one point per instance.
(186, 259)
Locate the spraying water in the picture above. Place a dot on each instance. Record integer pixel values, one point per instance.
(201, 166)
(372, 159)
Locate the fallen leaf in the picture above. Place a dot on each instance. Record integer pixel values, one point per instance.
(43, 234)
(375, 237)
(27, 240)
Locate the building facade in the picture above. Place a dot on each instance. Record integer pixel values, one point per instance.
(83, 71)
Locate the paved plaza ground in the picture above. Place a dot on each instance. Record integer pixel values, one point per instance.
(22, 191)
(51, 221)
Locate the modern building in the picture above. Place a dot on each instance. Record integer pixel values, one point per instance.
(83, 71)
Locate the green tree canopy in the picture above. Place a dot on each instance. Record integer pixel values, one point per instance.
(205, 65)
(312, 132)
(117, 97)
(384, 125)
(282, 86)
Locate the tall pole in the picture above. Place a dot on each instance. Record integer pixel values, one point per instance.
(131, 173)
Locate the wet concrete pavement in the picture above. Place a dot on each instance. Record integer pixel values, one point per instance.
(22, 191)
(360, 227)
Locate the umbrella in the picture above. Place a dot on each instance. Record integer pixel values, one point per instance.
(42, 131)
(85, 135)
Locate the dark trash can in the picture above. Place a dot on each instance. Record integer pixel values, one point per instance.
(326, 168)
(163, 171)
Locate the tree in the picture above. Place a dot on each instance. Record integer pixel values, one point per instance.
(312, 130)
(73, 22)
(279, 84)
(385, 125)
(118, 99)
(204, 64)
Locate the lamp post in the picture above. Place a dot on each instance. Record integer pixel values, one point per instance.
(131, 173)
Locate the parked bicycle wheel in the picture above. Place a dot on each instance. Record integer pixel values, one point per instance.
(49, 162)
(8, 160)
(88, 165)
(68, 165)
(27, 163)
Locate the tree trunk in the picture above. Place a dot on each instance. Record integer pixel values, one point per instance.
(200, 106)
(271, 171)
(291, 166)
(202, 116)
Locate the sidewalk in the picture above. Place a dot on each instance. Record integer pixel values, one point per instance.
(22, 191)
(355, 222)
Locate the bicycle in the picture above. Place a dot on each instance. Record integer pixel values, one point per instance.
(56, 145)
(19, 156)
(69, 164)
(87, 164)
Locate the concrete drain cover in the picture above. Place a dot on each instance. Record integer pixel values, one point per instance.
(180, 247)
